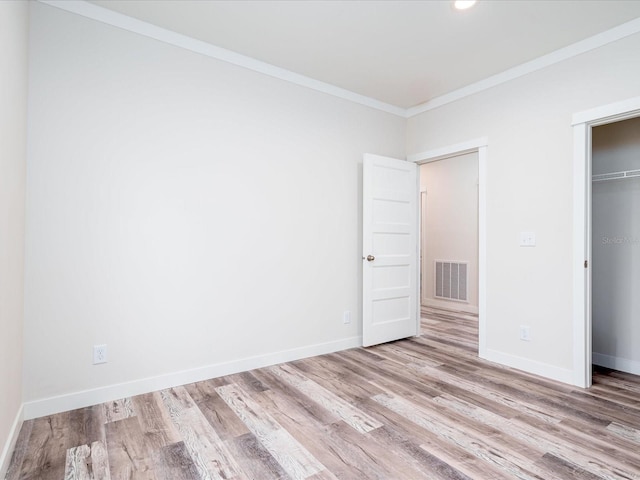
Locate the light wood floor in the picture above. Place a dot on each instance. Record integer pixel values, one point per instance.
(422, 408)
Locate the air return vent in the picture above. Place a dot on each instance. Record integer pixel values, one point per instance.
(451, 280)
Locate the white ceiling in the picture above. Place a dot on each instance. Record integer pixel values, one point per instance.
(403, 53)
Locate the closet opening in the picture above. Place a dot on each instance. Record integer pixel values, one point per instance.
(615, 245)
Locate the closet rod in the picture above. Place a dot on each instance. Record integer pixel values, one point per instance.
(615, 175)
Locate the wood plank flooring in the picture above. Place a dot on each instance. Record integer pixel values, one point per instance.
(420, 408)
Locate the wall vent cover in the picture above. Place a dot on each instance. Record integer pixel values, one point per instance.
(451, 280)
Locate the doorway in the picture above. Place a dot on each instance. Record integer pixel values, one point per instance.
(615, 273)
(583, 124)
(480, 148)
(449, 233)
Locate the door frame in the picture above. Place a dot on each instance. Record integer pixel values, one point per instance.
(480, 145)
(421, 239)
(582, 123)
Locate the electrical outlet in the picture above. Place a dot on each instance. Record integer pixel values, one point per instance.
(525, 333)
(527, 239)
(346, 317)
(99, 354)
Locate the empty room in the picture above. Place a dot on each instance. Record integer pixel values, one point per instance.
(319, 239)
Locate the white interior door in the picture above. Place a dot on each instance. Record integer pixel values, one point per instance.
(390, 249)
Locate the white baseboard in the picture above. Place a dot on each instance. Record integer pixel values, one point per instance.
(616, 363)
(86, 398)
(552, 372)
(7, 451)
(450, 305)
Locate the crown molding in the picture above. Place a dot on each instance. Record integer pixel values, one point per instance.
(608, 36)
(118, 20)
(134, 25)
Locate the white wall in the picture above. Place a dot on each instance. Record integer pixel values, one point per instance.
(616, 247)
(529, 188)
(450, 224)
(14, 18)
(186, 212)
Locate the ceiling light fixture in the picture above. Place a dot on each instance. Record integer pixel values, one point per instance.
(463, 4)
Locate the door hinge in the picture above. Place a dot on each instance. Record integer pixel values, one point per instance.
(586, 264)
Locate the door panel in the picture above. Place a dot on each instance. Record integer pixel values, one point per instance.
(390, 235)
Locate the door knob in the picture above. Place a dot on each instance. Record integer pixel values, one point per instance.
(370, 258)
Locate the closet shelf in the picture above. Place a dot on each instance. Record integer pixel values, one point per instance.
(615, 175)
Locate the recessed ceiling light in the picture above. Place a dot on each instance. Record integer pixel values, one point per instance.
(463, 4)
